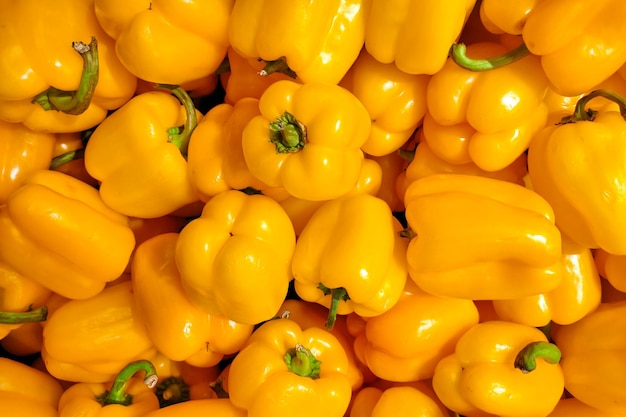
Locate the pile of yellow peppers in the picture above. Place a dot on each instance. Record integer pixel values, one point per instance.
(340, 208)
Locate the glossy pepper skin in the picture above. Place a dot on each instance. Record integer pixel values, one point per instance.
(80, 335)
(307, 139)
(177, 328)
(217, 407)
(187, 39)
(57, 231)
(484, 376)
(401, 401)
(350, 257)
(319, 41)
(406, 34)
(481, 238)
(593, 359)
(234, 260)
(574, 166)
(137, 158)
(280, 356)
(489, 117)
(41, 58)
(572, 407)
(26, 391)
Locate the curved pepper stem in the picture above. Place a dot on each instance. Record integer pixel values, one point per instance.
(75, 102)
(301, 362)
(458, 53)
(67, 157)
(172, 390)
(278, 65)
(177, 136)
(287, 133)
(337, 295)
(526, 359)
(582, 115)
(37, 315)
(118, 394)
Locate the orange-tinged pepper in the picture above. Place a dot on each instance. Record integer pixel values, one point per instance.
(307, 139)
(284, 370)
(216, 407)
(177, 328)
(138, 155)
(481, 238)
(24, 341)
(415, 35)
(612, 268)
(26, 391)
(501, 368)
(42, 63)
(68, 156)
(234, 260)
(57, 231)
(392, 167)
(319, 41)
(187, 40)
(91, 340)
(572, 407)
(400, 401)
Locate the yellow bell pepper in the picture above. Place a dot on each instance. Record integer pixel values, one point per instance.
(415, 35)
(187, 40)
(313, 41)
(177, 328)
(284, 371)
(393, 167)
(91, 340)
(24, 341)
(138, 155)
(575, 166)
(123, 396)
(501, 368)
(307, 139)
(400, 401)
(398, 346)
(351, 258)
(578, 294)
(60, 80)
(481, 238)
(215, 407)
(488, 118)
(26, 391)
(234, 260)
(68, 156)
(572, 407)
(57, 231)
(593, 357)
(612, 268)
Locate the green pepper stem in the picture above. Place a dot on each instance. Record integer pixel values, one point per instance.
(67, 157)
(75, 102)
(526, 359)
(337, 295)
(172, 390)
(179, 137)
(287, 133)
(458, 54)
(218, 388)
(37, 315)
(302, 362)
(118, 394)
(582, 115)
(277, 65)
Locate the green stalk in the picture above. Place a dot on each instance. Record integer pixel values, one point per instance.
(337, 295)
(287, 133)
(582, 115)
(177, 136)
(118, 394)
(172, 390)
(277, 65)
(75, 102)
(301, 362)
(37, 315)
(458, 53)
(526, 359)
(67, 157)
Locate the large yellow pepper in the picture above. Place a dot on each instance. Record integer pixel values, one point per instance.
(593, 357)
(57, 231)
(578, 167)
(481, 238)
(416, 35)
(284, 371)
(187, 40)
(319, 41)
(177, 328)
(501, 368)
(351, 258)
(307, 139)
(26, 391)
(234, 260)
(138, 155)
(91, 340)
(78, 79)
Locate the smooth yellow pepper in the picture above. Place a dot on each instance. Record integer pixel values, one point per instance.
(215, 407)
(307, 139)
(481, 238)
(49, 56)
(57, 231)
(399, 401)
(501, 368)
(572, 407)
(612, 268)
(234, 260)
(284, 371)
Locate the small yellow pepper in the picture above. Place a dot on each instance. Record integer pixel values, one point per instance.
(501, 368)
